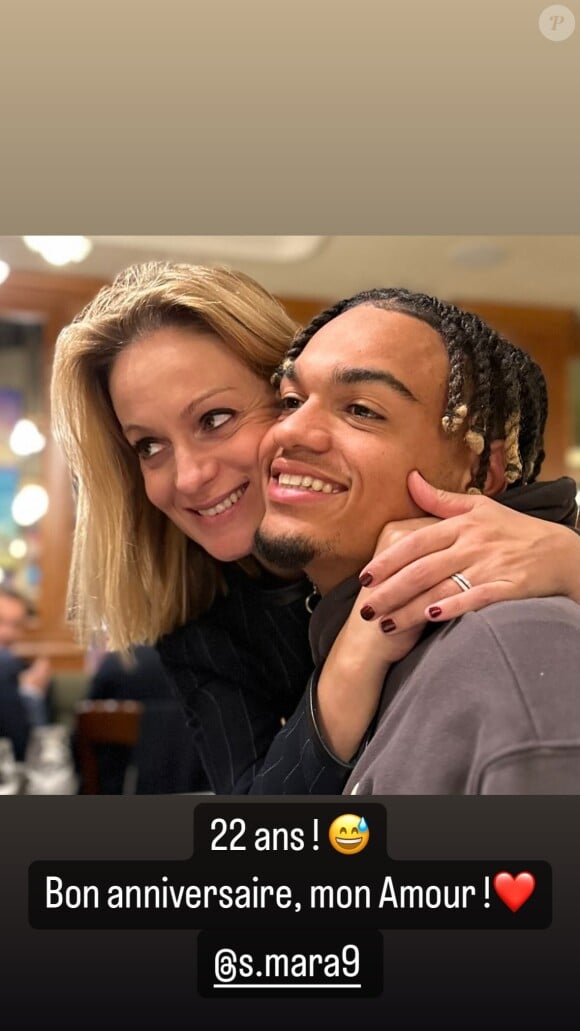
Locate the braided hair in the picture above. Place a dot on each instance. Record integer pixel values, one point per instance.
(495, 391)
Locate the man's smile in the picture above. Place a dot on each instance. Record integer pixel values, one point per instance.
(296, 480)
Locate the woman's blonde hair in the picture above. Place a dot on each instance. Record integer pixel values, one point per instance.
(134, 575)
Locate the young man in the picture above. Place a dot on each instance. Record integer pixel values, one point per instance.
(380, 385)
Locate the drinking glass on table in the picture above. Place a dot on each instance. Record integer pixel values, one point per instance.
(9, 779)
(49, 763)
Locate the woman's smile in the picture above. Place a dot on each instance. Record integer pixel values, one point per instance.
(221, 505)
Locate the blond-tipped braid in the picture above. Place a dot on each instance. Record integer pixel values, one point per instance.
(451, 421)
(512, 454)
(475, 441)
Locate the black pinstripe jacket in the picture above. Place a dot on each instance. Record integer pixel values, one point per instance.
(240, 670)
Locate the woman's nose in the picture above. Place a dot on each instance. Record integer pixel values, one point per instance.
(194, 472)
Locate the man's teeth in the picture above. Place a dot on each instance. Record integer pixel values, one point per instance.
(223, 505)
(307, 483)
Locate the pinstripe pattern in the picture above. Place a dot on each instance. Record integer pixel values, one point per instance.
(240, 670)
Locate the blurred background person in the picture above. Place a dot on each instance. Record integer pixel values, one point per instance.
(24, 686)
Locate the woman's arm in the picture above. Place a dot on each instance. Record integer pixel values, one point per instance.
(351, 681)
(505, 554)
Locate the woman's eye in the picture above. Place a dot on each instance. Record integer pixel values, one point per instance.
(362, 412)
(147, 447)
(213, 420)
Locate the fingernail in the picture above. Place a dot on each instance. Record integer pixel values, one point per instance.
(367, 612)
(434, 611)
(387, 625)
(365, 579)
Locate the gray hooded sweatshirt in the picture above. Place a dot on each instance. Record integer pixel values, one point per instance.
(488, 704)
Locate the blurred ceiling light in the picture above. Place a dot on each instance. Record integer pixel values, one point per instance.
(17, 548)
(4, 271)
(572, 458)
(26, 438)
(29, 505)
(60, 250)
(278, 249)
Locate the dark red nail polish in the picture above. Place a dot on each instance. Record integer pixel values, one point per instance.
(367, 612)
(434, 611)
(387, 625)
(365, 579)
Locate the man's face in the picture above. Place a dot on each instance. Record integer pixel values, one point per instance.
(362, 408)
(13, 617)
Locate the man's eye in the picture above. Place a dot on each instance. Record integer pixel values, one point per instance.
(214, 419)
(289, 403)
(362, 412)
(147, 447)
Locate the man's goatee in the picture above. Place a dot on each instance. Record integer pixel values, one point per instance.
(286, 552)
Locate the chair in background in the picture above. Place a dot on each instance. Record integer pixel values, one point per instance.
(103, 723)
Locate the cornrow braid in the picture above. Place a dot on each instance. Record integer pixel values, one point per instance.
(533, 422)
(466, 331)
(495, 390)
(456, 410)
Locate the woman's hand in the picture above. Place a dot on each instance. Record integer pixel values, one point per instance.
(504, 554)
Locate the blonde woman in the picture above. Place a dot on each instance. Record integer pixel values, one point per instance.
(161, 398)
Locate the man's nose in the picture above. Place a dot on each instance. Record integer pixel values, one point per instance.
(193, 471)
(307, 427)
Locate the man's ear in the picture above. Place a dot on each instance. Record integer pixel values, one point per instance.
(495, 481)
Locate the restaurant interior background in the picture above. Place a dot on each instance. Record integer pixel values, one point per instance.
(527, 287)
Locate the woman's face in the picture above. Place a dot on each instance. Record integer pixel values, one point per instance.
(195, 416)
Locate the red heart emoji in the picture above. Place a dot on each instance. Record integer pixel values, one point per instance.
(514, 891)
